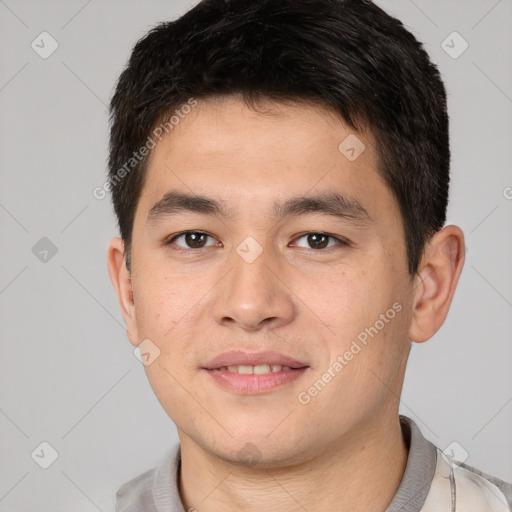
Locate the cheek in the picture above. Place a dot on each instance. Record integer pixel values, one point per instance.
(366, 309)
(163, 298)
(167, 382)
(165, 316)
(348, 301)
(171, 313)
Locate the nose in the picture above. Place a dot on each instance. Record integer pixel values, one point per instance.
(254, 295)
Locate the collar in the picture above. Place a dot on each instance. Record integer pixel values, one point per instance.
(419, 471)
(158, 490)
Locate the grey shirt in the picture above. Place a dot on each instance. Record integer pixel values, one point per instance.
(432, 482)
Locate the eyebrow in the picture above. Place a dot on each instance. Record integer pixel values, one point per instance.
(327, 203)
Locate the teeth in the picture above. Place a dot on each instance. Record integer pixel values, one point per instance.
(260, 369)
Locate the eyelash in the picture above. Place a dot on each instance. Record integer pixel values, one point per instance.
(341, 242)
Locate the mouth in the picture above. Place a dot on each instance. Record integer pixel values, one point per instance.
(254, 373)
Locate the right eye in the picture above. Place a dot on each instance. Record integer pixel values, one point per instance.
(191, 240)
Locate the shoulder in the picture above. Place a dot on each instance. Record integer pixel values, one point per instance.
(156, 490)
(485, 483)
(434, 482)
(466, 488)
(137, 494)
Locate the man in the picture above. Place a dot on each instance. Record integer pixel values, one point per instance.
(279, 171)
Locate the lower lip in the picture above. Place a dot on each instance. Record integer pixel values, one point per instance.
(252, 384)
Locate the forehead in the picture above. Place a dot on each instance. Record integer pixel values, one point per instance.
(246, 157)
(226, 126)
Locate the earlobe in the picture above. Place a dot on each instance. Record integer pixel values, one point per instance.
(121, 281)
(436, 281)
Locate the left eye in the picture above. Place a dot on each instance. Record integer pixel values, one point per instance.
(192, 240)
(318, 241)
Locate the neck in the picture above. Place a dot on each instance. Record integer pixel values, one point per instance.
(360, 472)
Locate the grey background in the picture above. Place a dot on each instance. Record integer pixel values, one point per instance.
(68, 373)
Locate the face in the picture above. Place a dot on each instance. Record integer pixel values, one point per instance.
(287, 265)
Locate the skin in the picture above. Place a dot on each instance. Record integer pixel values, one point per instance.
(308, 303)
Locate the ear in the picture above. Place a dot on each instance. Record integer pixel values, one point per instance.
(122, 284)
(436, 281)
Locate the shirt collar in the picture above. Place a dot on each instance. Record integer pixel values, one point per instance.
(419, 471)
(410, 496)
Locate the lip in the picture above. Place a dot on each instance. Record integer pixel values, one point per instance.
(239, 357)
(253, 384)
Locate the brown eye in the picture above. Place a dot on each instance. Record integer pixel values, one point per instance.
(318, 240)
(195, 240)
(192, 240)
